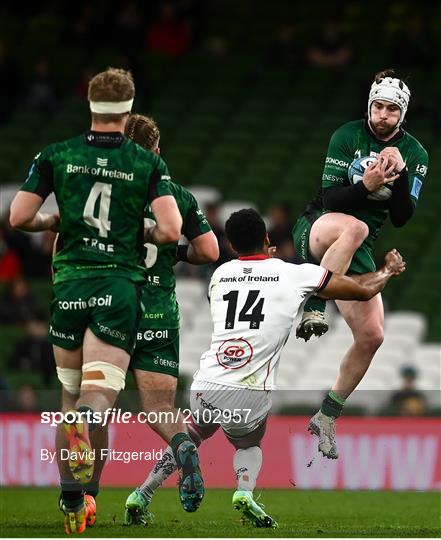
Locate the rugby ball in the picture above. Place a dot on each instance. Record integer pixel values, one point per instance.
(355, 174)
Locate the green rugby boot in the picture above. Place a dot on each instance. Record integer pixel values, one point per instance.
(252, 511)
(191, 483)
(136, 511)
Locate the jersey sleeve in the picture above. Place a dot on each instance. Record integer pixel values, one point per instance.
(159, 181)
(311, 278)
(40, 178)
(195, 223)
(338, 159)
(417, 169)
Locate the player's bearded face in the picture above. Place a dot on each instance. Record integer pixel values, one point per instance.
(384, 117)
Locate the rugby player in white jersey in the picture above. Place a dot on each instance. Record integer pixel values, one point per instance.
(254, 300)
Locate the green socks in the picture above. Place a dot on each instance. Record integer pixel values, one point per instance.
(332, 405)
(314, 303)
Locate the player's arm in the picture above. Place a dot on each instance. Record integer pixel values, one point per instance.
(168, 219)
(338, 196)
(203, 247)
(365, 286)
(25, 215)
(406, 188)
(24, 211)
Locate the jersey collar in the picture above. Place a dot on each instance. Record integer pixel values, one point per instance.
(254, 257)
(399, 135)
(104, 139)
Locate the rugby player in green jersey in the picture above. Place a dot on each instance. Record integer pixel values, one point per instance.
(339, 227)
(155, 361)
(102, 183)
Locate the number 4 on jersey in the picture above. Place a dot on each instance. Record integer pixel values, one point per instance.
(102, 222)
(254, 318)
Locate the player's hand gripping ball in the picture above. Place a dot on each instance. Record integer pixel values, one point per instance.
(355, 174)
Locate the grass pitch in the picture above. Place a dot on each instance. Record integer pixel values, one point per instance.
(26, 512)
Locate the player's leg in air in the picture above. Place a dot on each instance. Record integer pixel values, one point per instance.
(157, 390)
(330, 241)
(366, 321)
(336, 240)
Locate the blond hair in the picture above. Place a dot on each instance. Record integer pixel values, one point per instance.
(111, 85)
(143, 130)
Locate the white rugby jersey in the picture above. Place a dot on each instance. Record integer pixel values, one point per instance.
(254, 301)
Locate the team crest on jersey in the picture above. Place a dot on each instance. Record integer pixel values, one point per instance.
(234, 353)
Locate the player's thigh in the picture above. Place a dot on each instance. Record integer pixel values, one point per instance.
(69, 312)
(239, 411)
(365, 319)
(97, 350)
(155, 365)
(328, 228)
(114, 312)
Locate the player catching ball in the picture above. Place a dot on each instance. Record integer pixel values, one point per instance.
(340, 225)
(254, 301)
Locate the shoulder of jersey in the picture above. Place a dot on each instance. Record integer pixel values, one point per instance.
(349, 127)
(414, 141)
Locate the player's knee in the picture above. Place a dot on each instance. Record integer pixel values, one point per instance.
(70, 379)
(357, 230)
(372, 337)
(103, 375)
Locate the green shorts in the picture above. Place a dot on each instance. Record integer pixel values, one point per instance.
(110, 307)
(157, 350)
(362, 261)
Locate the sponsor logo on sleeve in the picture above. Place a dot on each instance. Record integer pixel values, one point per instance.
(416, 188)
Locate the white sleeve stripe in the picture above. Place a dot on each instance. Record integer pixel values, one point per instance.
(325, 275)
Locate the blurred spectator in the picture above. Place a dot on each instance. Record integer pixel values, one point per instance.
(331, 50)
(6, 396)
(279, 231)
(414, 46)
(169, 35)
(33, 250)
(408, 401)
(287, 49)
(11, 93)
(34, 352)
(129, 26)
(41, 93)
(18, 304)
(26, 399)
(82, 85)
(9, 261)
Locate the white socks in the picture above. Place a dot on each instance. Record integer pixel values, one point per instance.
(160, 472)
(247, 464)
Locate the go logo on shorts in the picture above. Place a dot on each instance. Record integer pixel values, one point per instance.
(234, 353)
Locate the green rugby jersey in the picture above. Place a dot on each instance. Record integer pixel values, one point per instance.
(159, 292)
(102, 183)
(354, 140)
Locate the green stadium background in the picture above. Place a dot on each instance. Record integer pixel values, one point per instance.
(234, 114)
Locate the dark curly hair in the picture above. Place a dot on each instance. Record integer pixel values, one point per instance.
(246, 231)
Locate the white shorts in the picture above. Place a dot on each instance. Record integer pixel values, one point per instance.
(239, 411)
